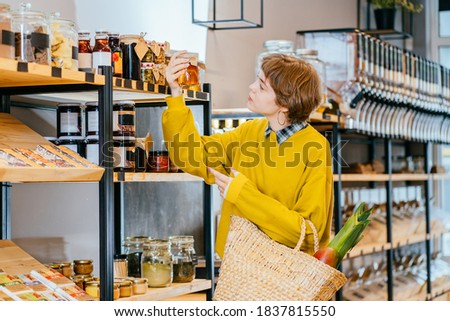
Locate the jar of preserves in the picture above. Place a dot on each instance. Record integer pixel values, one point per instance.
(158, 161)
(148, 72)
(68, 121)
(32, 35)
(140, 285)
(91, 119)
(311, 56)
(126, 288)
(92, 150)
(101, 53)
(133, 248)
(84, 267)
(184, 258)
(157, 263)
(272, 47)
(190, 80)
(7, 41)
(123, 120)
(131, 64)
(93, 289)
(116, 54)
(84, 51)
(64, 45)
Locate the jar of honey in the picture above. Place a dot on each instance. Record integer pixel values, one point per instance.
(190, 80)
(84, 267)
(157, 263)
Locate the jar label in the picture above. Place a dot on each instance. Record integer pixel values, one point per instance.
(92, 122)
(7, 38)
(100, 58)
(123, 157)
(123, 121)
(40, 40)
(74, 53)
(69, 123)
(92, 153)
(84, 60)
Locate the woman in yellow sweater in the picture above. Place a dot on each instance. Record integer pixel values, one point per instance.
(271, 171)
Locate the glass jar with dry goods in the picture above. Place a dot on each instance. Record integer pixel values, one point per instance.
(83, 267)
(64, 46)
(120, 265)
(7, 38)
(133, 248)
(184, 258)
(157, 263)
(272, 47)
(84, 51)
(311, 56)
(32, 35)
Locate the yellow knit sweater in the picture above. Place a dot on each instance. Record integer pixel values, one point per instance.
(276, 184)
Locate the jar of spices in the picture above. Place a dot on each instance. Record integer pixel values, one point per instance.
(120, 266)
(68, 121)
(116, 54)
(184, 258)
(157, 263)
(140, 286)
(84, 267)
(131, 62)
(84, 51)
(7, 42)
(133, 249)
(64, 46)
(32, 35)
(101, 53)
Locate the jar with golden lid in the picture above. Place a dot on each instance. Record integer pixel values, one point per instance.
(93, 289)
(7, 43)
(126, 288)
(184, 258)
(83, 267)
(157, 263)
(140, 285)
(32, 35)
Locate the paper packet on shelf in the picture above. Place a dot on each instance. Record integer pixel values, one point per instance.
(51, 278)
(51, 151)
(73, 293)
(9, 158)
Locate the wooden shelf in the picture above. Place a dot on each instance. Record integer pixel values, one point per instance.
(381, 177)
(438, 177)
(176, 289)
(14, 134)
(15, 74)
(14, 260)
(156, 177)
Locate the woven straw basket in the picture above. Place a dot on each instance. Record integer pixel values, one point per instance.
(255, 267)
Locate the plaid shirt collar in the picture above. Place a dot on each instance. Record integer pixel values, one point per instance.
(285, 133)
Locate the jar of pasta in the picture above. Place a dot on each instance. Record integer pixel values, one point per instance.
(64, 46)
(157, 263)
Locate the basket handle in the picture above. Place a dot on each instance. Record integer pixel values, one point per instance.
(303, 235)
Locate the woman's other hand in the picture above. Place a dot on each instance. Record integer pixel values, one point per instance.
(175, 69)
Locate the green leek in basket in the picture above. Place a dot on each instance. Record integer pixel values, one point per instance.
(349, 235)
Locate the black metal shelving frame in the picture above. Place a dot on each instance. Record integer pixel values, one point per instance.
(337, 133)
(108, 221)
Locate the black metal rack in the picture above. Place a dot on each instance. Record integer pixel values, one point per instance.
(107, 201)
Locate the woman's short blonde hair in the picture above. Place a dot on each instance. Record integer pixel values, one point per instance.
(296, 85)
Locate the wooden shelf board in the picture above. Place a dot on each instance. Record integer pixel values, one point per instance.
(157, 177)
(437, 177)
(15, 74)
(440, 290)
(15, 134)
(380, 177)
(175, 290)
(14, 260)
(360, 250)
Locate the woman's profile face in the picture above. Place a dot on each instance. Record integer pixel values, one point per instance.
(261, 98)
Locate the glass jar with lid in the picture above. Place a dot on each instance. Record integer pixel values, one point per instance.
(101, 53)
(184, 258)
(311, 56)
(116, 54)
(272, 47)
(64, 46)
(133, 248)
(7, 43)
(131, 64)
(157, 263)
(84, 51)
(32, 35)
